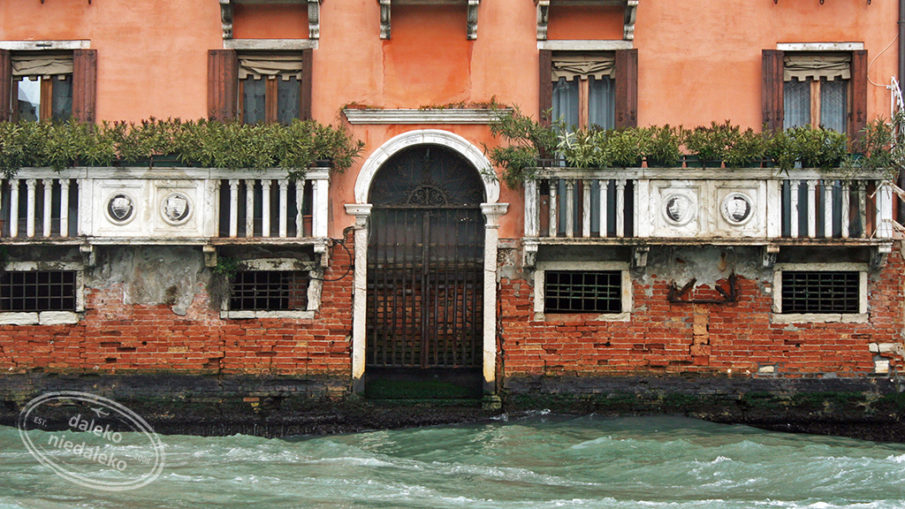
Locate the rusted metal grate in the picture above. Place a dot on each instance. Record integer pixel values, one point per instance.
(40, 290)
(425, 262)
(268, 290)
(820, 291)
(567, 291)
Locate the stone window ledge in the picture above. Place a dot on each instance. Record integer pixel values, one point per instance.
(821, 318)
(40, 318)
(248, 315)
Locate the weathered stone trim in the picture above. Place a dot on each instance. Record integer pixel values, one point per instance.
(45, 45)
(425, 116)
(820, 46)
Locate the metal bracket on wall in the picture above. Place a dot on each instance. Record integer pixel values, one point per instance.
(729, 296)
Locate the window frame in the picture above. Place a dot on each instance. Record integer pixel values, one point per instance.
(625, 81)
(223, 91)
(862, 316)
(582, 266)
(48, 317)
(772, 97)
(815, 93)
(315, 284)
(84, 75)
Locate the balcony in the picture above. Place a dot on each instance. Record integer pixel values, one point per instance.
(644, 207)
(176, 206)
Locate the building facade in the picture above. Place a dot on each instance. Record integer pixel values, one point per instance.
(417, 259)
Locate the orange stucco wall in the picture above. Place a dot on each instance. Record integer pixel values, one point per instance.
(699, 60)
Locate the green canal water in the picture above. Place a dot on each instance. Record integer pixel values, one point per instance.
(535, 461)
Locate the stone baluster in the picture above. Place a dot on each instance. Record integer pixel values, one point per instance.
(794, 212)
(265, 208)
(620, 208)
(47, 184)
(604, 187)
(233, 208)
(249, 208)
(812, 208)
(554, 225)
(30, 207)
(284, 206)
(570, 208)
(846, 209)
(14, 207)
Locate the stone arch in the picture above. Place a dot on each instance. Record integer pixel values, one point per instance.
(425, 136)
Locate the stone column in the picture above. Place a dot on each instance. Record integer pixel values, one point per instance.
(360, 293)
(492, 211)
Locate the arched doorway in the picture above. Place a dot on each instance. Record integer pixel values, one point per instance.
(425, 276)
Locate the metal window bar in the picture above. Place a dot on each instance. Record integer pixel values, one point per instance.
(35, 291)
(269, 290)
(582, 291)
(820, 291)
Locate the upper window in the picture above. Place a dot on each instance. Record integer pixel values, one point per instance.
(41, 86)
(259, 86)
(815, 90)
(583, 89)
(48, 84)
(269, 87)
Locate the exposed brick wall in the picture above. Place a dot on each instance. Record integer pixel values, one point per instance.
(696, 338)
(114, 337)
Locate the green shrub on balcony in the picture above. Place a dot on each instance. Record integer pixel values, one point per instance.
(296, 147)
(714, 146)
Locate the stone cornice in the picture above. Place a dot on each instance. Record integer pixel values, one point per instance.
(423, 116)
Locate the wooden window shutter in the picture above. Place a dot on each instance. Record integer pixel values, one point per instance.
(545, 92)
(626, 88)
(6, 80)
(222, 84)
(771, 92)
(858, 118)
(307, 74)
(84, 85)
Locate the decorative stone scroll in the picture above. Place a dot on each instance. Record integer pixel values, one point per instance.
(471, 30)
(628, 29)
(226, 14)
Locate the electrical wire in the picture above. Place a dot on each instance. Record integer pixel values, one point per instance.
(342, 243)
(869, 65)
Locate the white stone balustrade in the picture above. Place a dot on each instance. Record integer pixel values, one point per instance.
(682, 205)
(163, 205)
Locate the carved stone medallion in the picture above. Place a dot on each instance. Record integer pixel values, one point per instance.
(737, 208)
(176, 208)
(678, 209)
(120, 208)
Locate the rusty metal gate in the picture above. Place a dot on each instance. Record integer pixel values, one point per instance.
(425, 260)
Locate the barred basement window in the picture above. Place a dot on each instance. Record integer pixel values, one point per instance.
(583, 291)
(821, 291)
(269, 290)
(34, 291)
